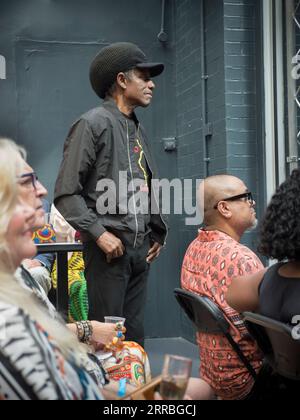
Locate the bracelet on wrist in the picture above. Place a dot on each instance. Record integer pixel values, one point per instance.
(80, 331)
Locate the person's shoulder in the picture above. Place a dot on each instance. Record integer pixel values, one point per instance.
(6, 307)
(244, 255)
(194, 247)
(12, 314)
(244, 250)
(272, 271)
(95, 121)
(95, 113)
(99, 120)
(95, 116)
(17, 321)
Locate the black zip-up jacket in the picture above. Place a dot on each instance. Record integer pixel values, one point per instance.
(98, 148)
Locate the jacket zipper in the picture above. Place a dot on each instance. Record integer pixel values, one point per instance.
(157, 201)
(131, 173)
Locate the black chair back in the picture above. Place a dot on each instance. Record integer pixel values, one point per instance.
(278, 343)
(203, 312)
(208, 318)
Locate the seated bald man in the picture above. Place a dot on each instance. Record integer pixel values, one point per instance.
(213, 259)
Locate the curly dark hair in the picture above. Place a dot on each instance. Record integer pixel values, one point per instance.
(280, 228)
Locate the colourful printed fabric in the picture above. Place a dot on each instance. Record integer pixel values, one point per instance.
(26, 281)
(45, 235)
(210, 264)
(32, 366)
(78, 296)
(131, 362)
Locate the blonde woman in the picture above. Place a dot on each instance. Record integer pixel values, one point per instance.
(39, 357)
(132, 358)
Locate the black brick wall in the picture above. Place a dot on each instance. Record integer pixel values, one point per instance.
(230, 54)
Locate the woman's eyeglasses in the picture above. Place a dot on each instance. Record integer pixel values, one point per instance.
(248, 196)
(29, 178)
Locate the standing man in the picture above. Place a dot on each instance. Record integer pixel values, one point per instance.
(212, 260)
(104, 144)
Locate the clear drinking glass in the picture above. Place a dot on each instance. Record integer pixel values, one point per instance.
(175, 375)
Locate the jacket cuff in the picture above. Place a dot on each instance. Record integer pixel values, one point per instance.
(96, 230)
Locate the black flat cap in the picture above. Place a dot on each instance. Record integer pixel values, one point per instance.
(116, 58)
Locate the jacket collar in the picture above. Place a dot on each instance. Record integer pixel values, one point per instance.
(111, 106)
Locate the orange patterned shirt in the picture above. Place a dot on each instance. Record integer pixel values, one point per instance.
(211, 262)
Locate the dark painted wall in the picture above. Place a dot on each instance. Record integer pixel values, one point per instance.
(232, 104)
(244, 138)
(189, 112)
(48, 46)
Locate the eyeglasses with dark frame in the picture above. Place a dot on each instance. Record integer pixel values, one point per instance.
(248, 195)
(33, 177)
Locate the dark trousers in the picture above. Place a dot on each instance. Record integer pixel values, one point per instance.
(118, 288)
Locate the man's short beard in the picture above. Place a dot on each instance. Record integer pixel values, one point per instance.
(253, 227)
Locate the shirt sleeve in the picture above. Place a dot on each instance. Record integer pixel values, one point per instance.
(248, 263)
(79, 158)
(47, 260)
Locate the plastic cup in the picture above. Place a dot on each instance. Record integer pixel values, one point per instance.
(114, 320)
(116, 343)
